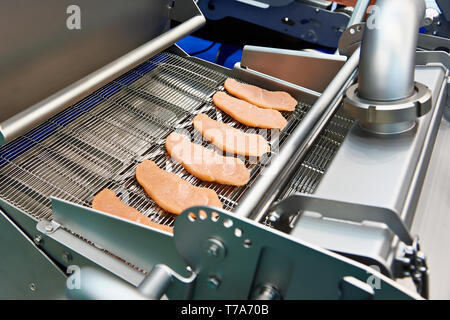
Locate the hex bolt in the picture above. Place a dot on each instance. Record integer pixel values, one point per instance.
(38, 240)
(32, 286)
(213, 282)
(274, 217)
(215, 248)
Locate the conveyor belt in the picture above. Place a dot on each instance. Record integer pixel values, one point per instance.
(98, 142)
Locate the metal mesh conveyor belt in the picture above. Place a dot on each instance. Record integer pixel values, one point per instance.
(98, 142)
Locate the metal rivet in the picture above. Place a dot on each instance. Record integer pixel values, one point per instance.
(67, 257)
(32, 287)
(274, 217)
(213, 282)
(49, 228)
(213, 250)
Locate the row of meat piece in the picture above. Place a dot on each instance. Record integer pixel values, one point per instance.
(247, 104)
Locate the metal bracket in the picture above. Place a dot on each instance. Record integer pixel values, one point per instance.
(412, 263)
(344, 210)
(294, 66)
(433, 43)
(351, 39)
(258, 258)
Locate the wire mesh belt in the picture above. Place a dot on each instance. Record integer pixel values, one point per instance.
(98, 142)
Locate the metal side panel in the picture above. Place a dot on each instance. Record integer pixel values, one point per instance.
(294, 66)
(25, 271)
(372, 248)
(48, 64)
(139, 245)
(66, 249)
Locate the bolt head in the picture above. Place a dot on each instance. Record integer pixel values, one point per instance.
(215, 248)
(213, 282)
(38, 240)
(274, 217)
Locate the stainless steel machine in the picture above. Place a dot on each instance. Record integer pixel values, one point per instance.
(327, 214)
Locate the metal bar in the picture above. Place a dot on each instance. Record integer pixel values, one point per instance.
(358, 12)
(137, 244)
(348, 211)
(268, 186)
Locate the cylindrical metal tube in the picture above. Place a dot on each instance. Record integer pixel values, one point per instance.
(358, 12)
(156, 283)
(257, 201)
(388, 50)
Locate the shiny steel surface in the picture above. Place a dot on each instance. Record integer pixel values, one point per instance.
(358, 12)
(378, 169)
(37, 43)
(18, 281)
(432, 218)
(285, 64)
